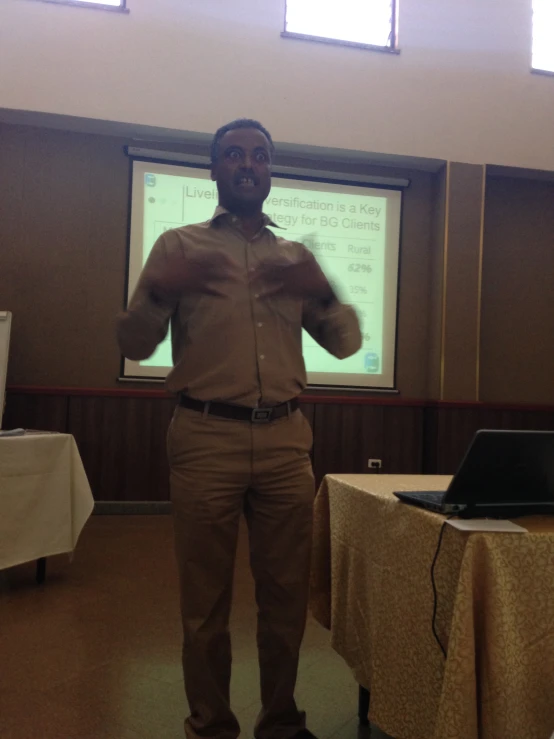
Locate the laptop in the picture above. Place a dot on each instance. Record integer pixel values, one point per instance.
(503, 474)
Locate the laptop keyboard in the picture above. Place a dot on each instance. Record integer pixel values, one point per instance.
(431, 496)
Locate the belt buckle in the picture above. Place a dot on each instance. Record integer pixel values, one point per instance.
(261, 415)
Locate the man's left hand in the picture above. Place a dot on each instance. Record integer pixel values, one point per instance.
(302, 279)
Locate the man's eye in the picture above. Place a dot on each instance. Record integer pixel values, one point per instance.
(261, 157)
(234, 155)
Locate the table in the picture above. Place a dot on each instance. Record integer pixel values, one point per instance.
(371, 586)
(45, 498)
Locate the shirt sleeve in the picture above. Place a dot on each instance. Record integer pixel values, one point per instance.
(145, 323)
(333, 325)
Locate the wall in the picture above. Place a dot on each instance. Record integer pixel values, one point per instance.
(121, 434)
(461, 282)
(517, 326)
(63, 240)
(63, 236)
(439, 227)
(63, 201)
(459, 90)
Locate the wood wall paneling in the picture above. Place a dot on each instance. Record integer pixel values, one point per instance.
(403, 440)
(122, 438)
(461, 289)
(347, 436)
(437, 247)
(415, 288)
(40, 412)
(123, 445)
(517, 325)
(451, 429)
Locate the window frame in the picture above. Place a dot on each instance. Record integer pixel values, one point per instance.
(393, 48)
(122, 8)
(537, 70)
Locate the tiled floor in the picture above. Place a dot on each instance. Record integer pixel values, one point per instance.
(95, 652)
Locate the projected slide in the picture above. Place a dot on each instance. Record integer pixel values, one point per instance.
(352, 230)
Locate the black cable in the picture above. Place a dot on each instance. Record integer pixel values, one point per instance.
(443, 650)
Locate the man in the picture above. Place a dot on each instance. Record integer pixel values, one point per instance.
(237, 298)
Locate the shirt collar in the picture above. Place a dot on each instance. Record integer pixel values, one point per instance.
(220, 211)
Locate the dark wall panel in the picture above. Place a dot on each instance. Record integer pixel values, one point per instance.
(449, 430)
(122, 444)
(517, 327)
(461, 289)
(39, 412)
(121, 438)
(347, 436)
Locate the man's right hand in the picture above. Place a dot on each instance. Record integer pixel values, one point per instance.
(194, 272)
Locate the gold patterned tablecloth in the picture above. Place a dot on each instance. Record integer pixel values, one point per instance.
(371, 586)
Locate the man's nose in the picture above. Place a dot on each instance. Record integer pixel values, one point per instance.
(247, 161)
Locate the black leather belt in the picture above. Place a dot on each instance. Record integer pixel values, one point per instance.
(239, 412)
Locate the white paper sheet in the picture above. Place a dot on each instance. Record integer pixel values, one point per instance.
(486, 524)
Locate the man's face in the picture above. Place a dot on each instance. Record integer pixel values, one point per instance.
(243, 170)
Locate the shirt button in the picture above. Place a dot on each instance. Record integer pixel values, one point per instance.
(262, 356)
(257, 295)
(260, 325)
(252, 269)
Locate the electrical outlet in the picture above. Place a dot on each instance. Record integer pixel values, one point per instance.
(374, 464)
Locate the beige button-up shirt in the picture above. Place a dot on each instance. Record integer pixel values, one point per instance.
(241, 347)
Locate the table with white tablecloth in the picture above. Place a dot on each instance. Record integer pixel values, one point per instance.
(45, 497)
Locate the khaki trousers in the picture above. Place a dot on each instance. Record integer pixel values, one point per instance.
(221, 469)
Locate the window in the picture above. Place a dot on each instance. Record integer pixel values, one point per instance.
(543, 35)
(105, 4)
(369, 23)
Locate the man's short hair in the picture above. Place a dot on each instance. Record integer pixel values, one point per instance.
(239, 123)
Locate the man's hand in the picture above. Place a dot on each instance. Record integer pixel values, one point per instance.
(191, 273)
(302, 279)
